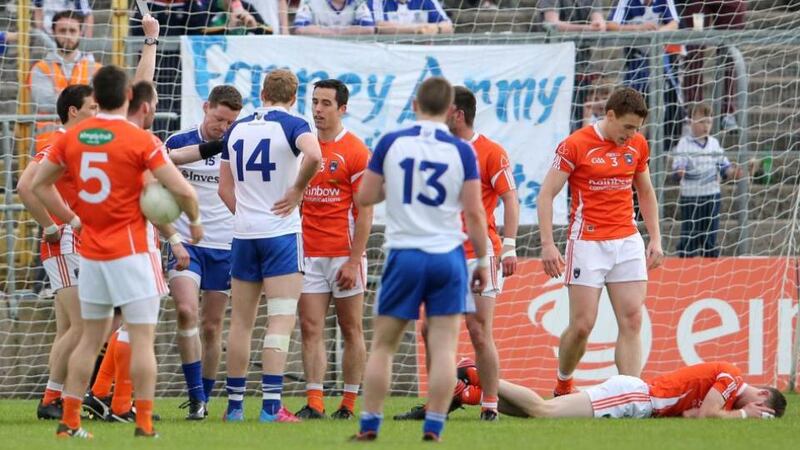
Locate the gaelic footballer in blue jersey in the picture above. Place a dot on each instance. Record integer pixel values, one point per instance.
(262, 181)
(427, 177)
(204, 266)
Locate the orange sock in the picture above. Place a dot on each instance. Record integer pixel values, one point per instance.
(105, 376)
(50, 394)
(314, 398)
(72, 412)
(350, 396)
(489, 402)
(123, 387)
(144, 415)
(564, 387)
(471, 395)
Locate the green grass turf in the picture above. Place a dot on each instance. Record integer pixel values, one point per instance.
(19, 429)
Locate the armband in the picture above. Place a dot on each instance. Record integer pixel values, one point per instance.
(209, 149)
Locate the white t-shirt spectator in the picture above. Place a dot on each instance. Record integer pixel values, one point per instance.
(324, 14)
(268, 10)
(408, 12)
(52, 7)
(702, 163)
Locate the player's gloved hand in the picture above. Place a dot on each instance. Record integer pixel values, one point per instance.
(288, 203)
(755, 410)
(181, 256)
(552, 260)
(150, 26)
(508, 258)
(346, 277)
(655, 255)
(52, 234)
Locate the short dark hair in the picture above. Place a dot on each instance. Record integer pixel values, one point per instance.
(72, 95)
(66, 14)
(776, 401)
(110, 87)
(434, 96)
(625, 100)
(700, 109)
(342, 93)
(226, 95)
(465, 101)
(143, 92)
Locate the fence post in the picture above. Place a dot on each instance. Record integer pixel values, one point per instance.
(742, 188)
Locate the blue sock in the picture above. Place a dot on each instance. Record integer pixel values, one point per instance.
(235, 388)
(434, 423)
(370, 422)
(208, 387)
(271, 387)
(193, 372)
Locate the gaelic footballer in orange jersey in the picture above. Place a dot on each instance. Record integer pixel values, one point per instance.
(603, 163)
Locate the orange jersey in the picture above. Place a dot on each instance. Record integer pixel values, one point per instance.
(69, 242)
(601, 182)
(684, 389)
(106, 156)
(329, 213)
(496, 180)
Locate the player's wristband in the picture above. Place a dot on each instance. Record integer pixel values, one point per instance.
(483, 262)
(743, 413)
(509, 254)
(196, 222)
(209, 149)
(510, 241)
(75, 222)
(50, 230)
(175, 239)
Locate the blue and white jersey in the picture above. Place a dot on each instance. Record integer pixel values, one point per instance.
(325, 14)
(703, 162)
(203, 175)
(424, 168)
(263, 155)
(408, 12)
(661, 12)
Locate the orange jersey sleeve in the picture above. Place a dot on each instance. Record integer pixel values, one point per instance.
(684, 389)
(496, 180)
(328, 211)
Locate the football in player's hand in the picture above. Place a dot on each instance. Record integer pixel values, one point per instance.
(158, 205)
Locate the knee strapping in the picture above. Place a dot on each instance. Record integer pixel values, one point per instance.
(279, 306)
(188, 333)
(278, 342)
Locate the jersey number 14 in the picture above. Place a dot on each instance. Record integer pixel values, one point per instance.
(257, 162)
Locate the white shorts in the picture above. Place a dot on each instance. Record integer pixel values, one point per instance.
(103, 285)
(320, 276)
(621, 396)
(493, 287)
(595, 263)
(62, 270)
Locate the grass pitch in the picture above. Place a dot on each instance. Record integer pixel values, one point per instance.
(19, 430)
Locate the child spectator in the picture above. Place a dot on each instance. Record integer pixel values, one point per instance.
(595, 107)
(699, 163)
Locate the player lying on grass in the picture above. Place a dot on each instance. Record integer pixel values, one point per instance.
(697, 391)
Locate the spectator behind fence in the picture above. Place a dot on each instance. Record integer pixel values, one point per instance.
(274, 13)
(410, 17)
(644, 16)
(60, 68)
(576, 16)
(6, 37)
(716, 15)
(179, 17)
(45, 10)
(699, 162)
(595, 107)
(223, 17)
(333, 17)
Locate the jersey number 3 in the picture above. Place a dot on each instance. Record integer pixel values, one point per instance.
(88, 172)
(257, 162)
(437, 169)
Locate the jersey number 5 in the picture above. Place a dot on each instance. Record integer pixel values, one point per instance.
(257, 162)
(94, 173)
(438, 170)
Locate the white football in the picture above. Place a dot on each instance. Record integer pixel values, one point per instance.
(158, 204)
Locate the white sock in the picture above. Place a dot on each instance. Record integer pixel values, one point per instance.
(314, 387)
(353, 388)
(563, 377)
(53, 386)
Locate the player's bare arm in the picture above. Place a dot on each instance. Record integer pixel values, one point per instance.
(52, 232)
(146, 69)
(714, 406)
(174, 239)
(226, 187)
(312, 157)
(371, 191)
(508, 256)
(648, 205)
(552, 259)
(184, 194)
(349, 272)
(44, 187)
(475, 219)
